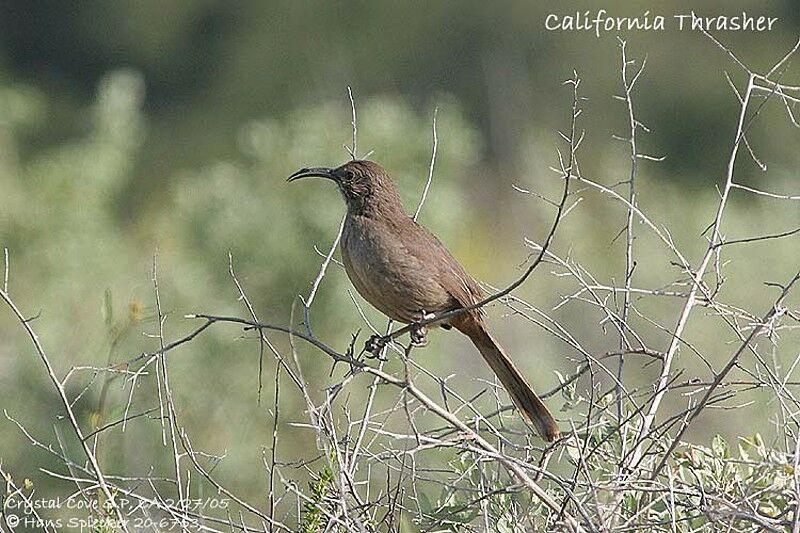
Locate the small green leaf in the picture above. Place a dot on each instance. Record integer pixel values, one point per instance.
(107, 309)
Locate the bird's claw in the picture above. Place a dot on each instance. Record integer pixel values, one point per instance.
(374, 346)
(419, 337)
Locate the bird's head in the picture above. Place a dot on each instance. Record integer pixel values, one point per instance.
(365, 185)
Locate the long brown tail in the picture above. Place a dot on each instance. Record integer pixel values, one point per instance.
(529, 404)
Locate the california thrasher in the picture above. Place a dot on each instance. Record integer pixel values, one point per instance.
(403, 270)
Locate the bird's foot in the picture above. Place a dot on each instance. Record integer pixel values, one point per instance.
(374, 346)
(419, 337)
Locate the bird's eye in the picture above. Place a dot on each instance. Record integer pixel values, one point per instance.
(349, 175)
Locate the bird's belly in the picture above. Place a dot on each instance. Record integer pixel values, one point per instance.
(381, 290)
(383, 276)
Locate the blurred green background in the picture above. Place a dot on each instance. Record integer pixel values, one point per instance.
(130, 128)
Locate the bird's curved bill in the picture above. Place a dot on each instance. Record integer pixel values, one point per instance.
(317, 172)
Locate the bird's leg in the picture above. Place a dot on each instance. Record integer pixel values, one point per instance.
(419, 334)
(419, 337)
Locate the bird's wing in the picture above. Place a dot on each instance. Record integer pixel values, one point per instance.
(426, 247)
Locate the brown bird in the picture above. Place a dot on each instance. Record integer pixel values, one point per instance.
(403, 270)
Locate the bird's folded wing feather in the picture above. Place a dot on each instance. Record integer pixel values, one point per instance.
(425, 246)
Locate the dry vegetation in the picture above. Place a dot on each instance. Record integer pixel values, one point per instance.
(427, 458)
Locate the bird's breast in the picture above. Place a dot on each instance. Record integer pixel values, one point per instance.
(385, 274)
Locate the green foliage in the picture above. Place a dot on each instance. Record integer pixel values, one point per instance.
(707, 484)
(78, 254)
(246, 207)
(758, 474)
(455, 509)
(313, 509)
(77, 238)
